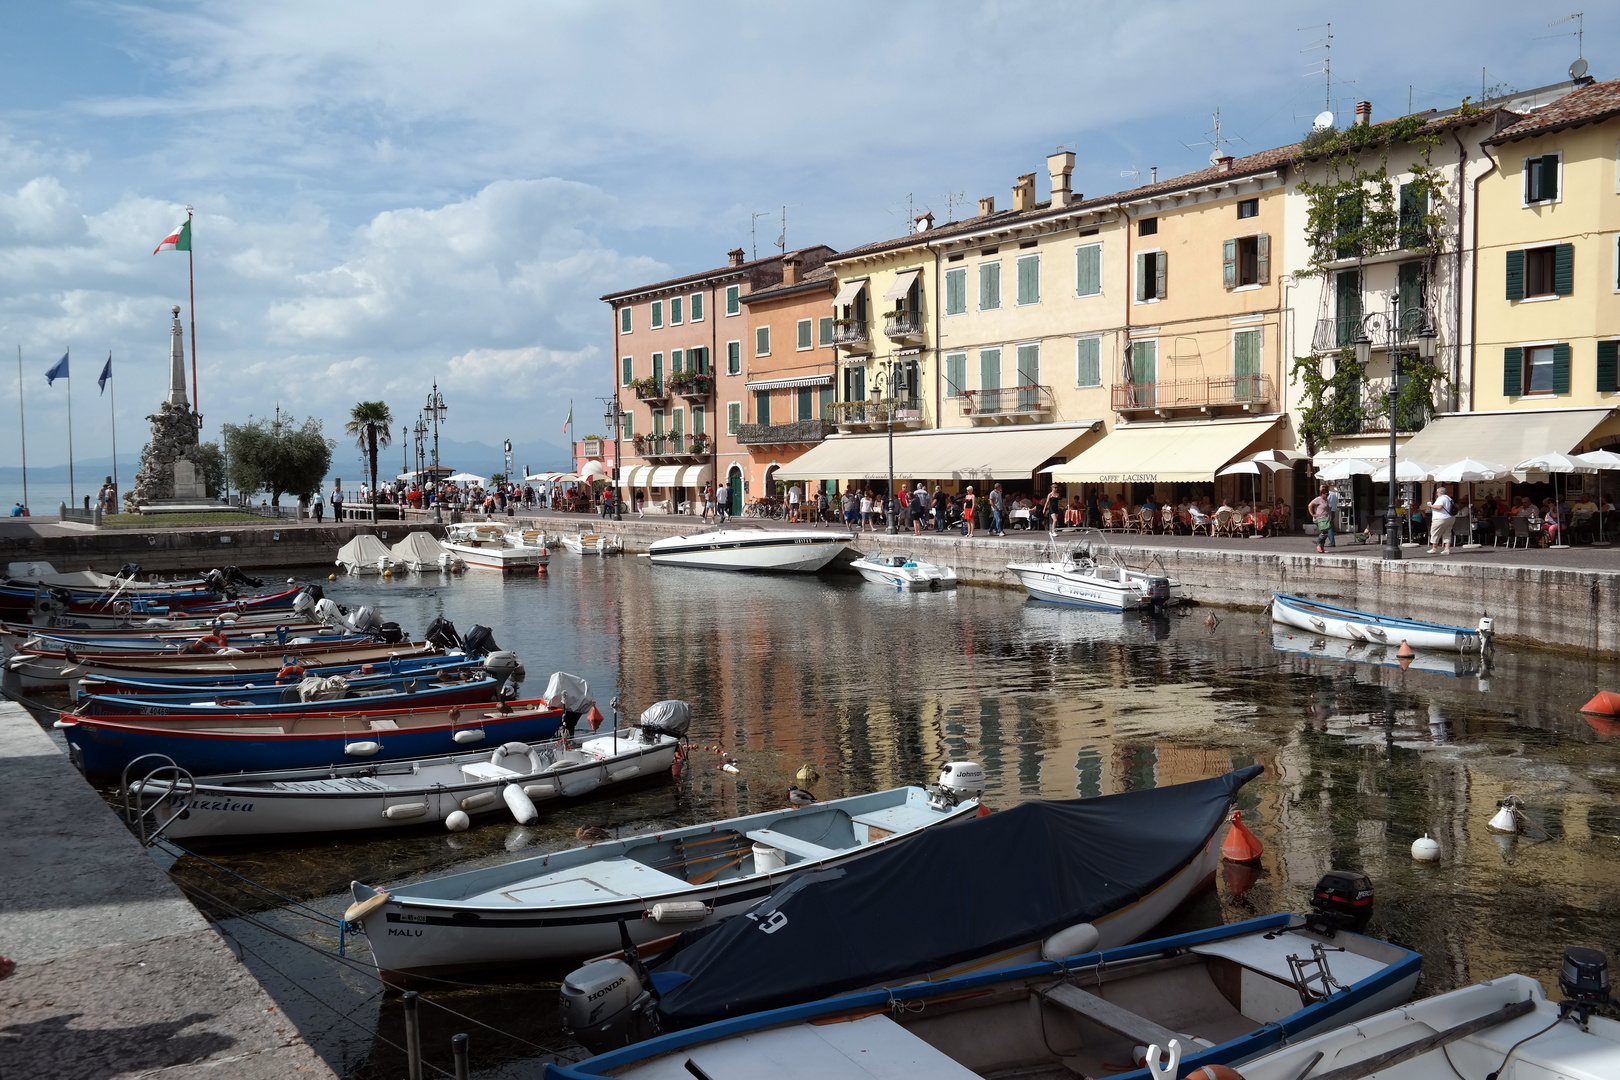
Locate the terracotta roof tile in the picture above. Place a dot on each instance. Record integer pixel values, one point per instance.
(745, 269)
(1599, 101)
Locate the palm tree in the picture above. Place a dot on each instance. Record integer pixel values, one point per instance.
(372, 425)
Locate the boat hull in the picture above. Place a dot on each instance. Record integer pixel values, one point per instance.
(751, 550)
(368, 693)
(1372, 629)
(48, 672)
(911, 577)
(1049, 582)
(507, 560)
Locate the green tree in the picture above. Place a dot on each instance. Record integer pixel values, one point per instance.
(372, 424)
(211, 461)
(278, 456)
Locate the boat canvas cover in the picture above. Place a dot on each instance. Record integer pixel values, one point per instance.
(953, 894)
(363, 550)
(419, 547)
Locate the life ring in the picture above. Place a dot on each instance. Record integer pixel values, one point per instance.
(123, 607)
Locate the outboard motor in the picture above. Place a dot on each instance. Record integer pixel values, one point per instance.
(315, 591)
(390, 632)
(364, 620)
(504, 665)
(1158, 592)
(606, 1004)
(1584, 979)
(479, 641)
(1342, 900)
(670, 717)
(328, 612)
(130, 570)
(570, 693)
(959, 781)
(303, 604)
(215, 582)
(442, 632)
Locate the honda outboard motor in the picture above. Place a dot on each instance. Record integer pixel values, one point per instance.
(1342, 900)
(364, 620)
(670, 717)
(479, 641)
(442, 632)
(328, 612)
(504, 665)
(606, 1004)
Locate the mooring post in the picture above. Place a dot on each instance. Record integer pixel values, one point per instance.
(458, 1047)
(413, 1038)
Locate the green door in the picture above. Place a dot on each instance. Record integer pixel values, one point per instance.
(735, 485)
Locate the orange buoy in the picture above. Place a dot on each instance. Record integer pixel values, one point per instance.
(1405, 650)
(676, 765)
(1239, 876)
(1606, 703)
(594, 718)
(1405, 662)
(1241, 845)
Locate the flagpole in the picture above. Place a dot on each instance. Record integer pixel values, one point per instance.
(73, 495)
(191, 274)
(113, 406)
(22, 425)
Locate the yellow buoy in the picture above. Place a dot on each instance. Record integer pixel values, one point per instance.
(808, 774)
(331, 577)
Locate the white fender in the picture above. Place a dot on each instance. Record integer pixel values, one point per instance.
(473, 802)
(363, 749)
(405, 810)
(456, 821)
(1071, 941)
(521, 806)
(1168, 1072)
(468, 736)
(540, 791)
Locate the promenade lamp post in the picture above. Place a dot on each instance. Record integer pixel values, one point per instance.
(884, 382)
(612, 419)
(435, 410)
(420, 430)
(1379, 329)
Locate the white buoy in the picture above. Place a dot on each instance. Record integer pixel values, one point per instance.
(362, 749)
(467, 736)
(521, 805)
(457, 821)
(1425, 849)
(1504, 821)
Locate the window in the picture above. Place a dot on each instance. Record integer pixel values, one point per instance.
(762, 407)
(658, 422)
(1347, 307)
(955, 373)
(1248, 208)
(657, 314)
(675, 358)
(733, 417)
(956, 291)
(806, 334)
(675, 311)
(989, 286)
(806, 402)
(733, 358)
(1350, 213)
(762, 341)
(855, 384)
(697, 307)
(1147, 227)
(1414, 207)
(733, 299)
(1541, 179)
(1029, 279)
(1409, 313)
(698, 360)
(679, 427)
(1029, 375)
(1535, 369)
(627, 424)
(824, 398)
(1088, 270)
(1246, 361)
(1088, 362)
(1144, 371)
(825, 327)
(1544, 271)
(658, 368)
(1608, 366)
(1246, 260)
(1152, 268)
(989, 369)
(624, 319)
(627, 371)
(700, 419)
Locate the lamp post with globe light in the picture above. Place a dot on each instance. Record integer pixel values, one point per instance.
(1380, 330)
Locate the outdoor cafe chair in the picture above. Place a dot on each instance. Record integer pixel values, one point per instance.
(1521, 532)
(1149, 520)
(1167, 515)
(1223, 523)
(1461, 528)
(1202, 523)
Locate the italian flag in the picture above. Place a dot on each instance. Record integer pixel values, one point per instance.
(178, 240)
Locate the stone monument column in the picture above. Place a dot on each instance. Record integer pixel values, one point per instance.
(177, 364)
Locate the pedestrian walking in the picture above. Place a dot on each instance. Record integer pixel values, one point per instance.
(919, 508)
(319, 507)
(337, 501)
(940, 508)
(1321, 512)
(1440, 511)
(998, 507)
(1052, 509)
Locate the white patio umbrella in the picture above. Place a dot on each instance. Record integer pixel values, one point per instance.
(467, 478)
(593, 469)
(1406, 472)
(1553, 465)
(1244, 468)
(1345, 468)
(1283, 458)
(1470, 471)
(1603, 461)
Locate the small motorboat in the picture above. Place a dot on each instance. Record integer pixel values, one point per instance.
(750, 547)
(1222, 995)
(1316, 617)
(421, 551)
(904, 572)
(365, 554)
(591, 543)
(1090, 574)
(512, 778)
(423, 667)
(1308, 643)
(568, 905)
(312, 694)
(55, 670)
(488, 546)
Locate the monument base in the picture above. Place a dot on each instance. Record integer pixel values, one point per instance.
(184, 506)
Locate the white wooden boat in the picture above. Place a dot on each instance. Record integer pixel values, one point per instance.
(1225, 995)
(421, 551)
(1308, 643)
(365, 554)
(750, 547)
(567, 905)
(508, 780)
(1363, 626)
(592, 543)
(904, 572)
(490, 547)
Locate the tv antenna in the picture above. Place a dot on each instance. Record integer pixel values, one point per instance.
(952, 198)
(1579, 34)
(1132, 173)
(1325, 43)
(753, 232)
(1215, 139)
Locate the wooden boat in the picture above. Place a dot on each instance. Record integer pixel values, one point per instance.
(422, 667)
(489, 547)
(904, 573)
(567, 905)
(55, 671)
(1090, 574)
(392, 795)
(1308, 643)
(314, 694)
(591, 543)
(206, 745)
(749, 547)
(1223, 995)
(1316, 617)
(365, 554)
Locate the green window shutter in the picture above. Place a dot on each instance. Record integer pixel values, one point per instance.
(1564, 269)
(1088, 362)
(700, 420)
(658, 421)
(1262, 247)
(1608, 366)
(679, 425)
(628, 424)
(1229, 264)
(955, 373)
(762, 341)
(1088, 270)
(1549, 176)
(1515, 274)
(1161, 274)
(627, 371)
(1561, 368)
(733, 303)
(657, 313)
(826, 329)
(1029, 279)
(762, 407)
(675, 358)
(624, 320)
(1145, 362)
(658, 367)
(805, 340)
(1512, 371)
(674, 311)
(956, 291)
(697, 307)
(733, 417)
(989, 369)
(824, 398)
(1029, 365)
(989, 286)
(1246, 353)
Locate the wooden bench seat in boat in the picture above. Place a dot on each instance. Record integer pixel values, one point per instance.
(792, 844)
(383, 725)
(1108, 1015)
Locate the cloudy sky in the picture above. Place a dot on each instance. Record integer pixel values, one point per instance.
(388, 192)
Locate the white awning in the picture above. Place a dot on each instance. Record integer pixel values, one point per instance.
(848, 292)
(696, 476)
(634, 477)
(788, 384)
(665, 476)
(1165, 453)
(966, 454)
(1507, 437)
(902, 285)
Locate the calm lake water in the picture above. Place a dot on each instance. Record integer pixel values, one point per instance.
(878, 689)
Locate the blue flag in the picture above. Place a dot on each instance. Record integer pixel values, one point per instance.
(106, 373)
(60, 371)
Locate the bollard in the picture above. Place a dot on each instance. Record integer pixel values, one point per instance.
(458, 1047)
(413, 1038)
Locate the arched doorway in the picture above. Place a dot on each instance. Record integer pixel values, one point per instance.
(734, 486)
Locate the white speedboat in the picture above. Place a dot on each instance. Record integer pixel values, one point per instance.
(592, 543)
(490, 547)
(365, 554)
(750, 547)
(422, 551)
(569, 905)
(904, 572)
(1316, 617)
(1089, 574)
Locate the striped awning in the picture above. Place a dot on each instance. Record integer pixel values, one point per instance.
(848, 292)
(965, 454)
(788, 384)
(634, 477)
(665, 476)
(696, 476)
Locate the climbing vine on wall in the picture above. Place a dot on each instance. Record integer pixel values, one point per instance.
(1332, 399)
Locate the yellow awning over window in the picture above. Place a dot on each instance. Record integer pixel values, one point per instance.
(902, 285)
(634, 476)
(966, 454)
(1165, 453)
(848, 293)
(1504, 438)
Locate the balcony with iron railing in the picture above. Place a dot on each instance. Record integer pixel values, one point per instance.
(1341, 331)
(852, 334)
(875, 415)
(672, 448)
(1368, 412)
(794, 433)
(652, 390)
(902, 325)
(1245, 392)
(692, 385)
(1007, 405)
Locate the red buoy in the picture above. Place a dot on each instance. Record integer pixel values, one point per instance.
(594, 718)
(1241, 845)
(1606, 703)
(1405, 650)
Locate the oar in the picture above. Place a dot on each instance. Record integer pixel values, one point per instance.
(1422, 1046)
(708, 875)
(725, 854)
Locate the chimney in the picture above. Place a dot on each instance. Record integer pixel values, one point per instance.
(735, 256)
(1224, 163)
(1060, 166)
(790, 269)
(987, 206)
(1024, 192)
(925, 221)
(1153, 171)
(1363, 112)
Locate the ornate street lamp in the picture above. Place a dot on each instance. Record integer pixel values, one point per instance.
(884, 380)
(436, 410)
(1379, 328)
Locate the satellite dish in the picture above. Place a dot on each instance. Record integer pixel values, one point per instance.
(1577, 70)
(1323, 121)
(1214, 157)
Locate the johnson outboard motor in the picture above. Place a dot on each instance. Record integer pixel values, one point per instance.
(1342, 900)
(480, 641)
(959, 781)
(670, 717)
(442, 632)
(607, 1004)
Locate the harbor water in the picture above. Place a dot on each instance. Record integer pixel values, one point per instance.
(877, 689)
